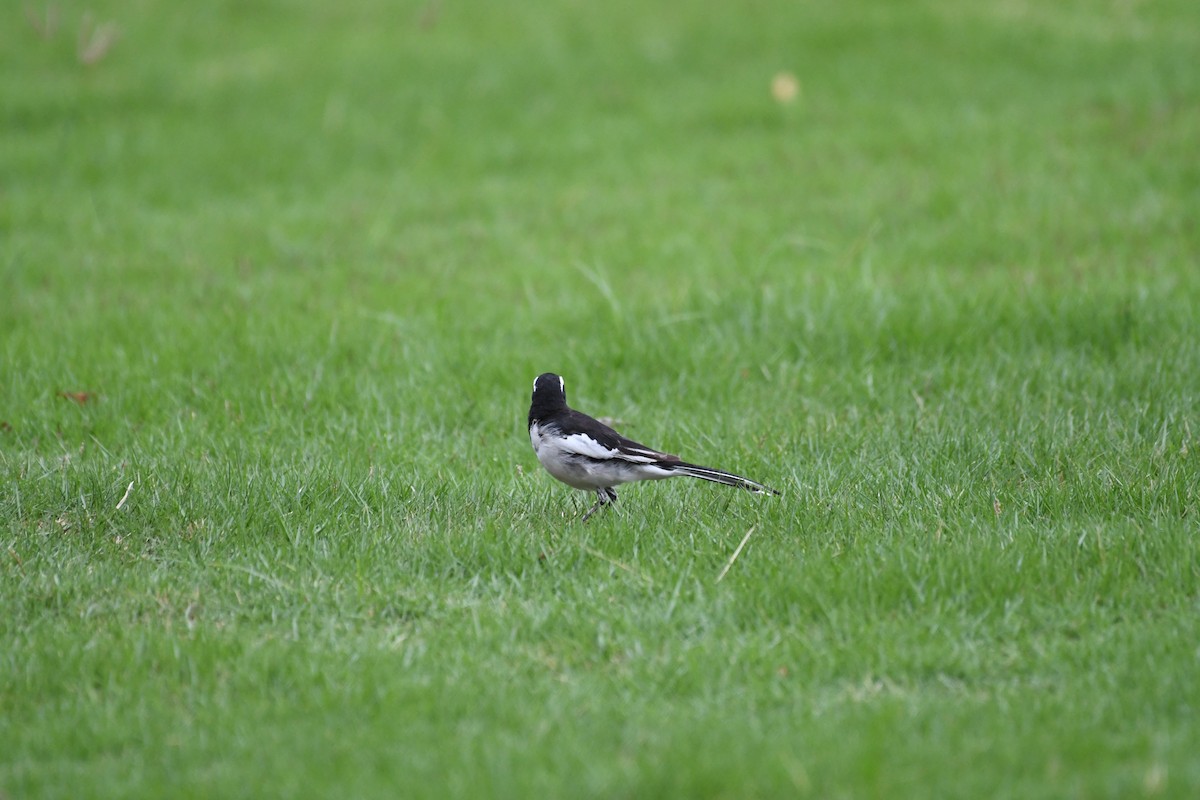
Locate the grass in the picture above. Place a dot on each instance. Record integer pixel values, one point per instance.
(288, 274)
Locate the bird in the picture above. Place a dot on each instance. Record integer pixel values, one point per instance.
(584, 453)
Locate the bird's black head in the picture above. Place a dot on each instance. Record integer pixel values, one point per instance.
(549, 395)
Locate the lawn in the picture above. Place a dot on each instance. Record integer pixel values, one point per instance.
(275, 280)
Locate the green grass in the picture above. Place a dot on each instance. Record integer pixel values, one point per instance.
(306, 259)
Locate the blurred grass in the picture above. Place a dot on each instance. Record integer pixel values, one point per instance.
(304, 261)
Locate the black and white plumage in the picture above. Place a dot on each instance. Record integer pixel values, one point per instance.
(587, 454)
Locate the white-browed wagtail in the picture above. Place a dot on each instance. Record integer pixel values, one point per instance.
(587, 454)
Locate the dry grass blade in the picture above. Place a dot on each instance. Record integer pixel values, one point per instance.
(736, 552)
(46, 24)
(95, 40)
(125, 496)
(619, 565)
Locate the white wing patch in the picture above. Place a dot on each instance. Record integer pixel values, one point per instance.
(584, 445)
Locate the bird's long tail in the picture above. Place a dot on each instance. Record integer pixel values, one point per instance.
(719, 476)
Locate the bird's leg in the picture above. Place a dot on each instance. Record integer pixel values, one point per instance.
(603, 498)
